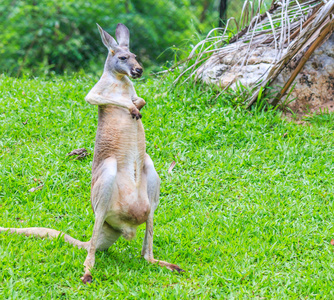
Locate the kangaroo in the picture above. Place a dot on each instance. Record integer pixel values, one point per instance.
(125, 186)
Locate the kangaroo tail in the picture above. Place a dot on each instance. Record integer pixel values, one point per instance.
(46, 232)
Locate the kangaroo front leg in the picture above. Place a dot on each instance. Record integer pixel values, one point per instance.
(138, 102)
(103, 185)
(153, 191)
(96, 99)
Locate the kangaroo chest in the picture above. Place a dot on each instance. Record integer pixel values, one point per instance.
(119, 136)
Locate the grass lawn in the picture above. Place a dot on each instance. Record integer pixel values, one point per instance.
(247, 211)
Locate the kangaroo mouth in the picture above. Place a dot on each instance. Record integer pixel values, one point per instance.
(137, 73)
(135, 76)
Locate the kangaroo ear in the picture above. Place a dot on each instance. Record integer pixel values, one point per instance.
(123, 35)
(107, 39)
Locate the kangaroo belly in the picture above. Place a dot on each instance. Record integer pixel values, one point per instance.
(136, 212)
(130, 206)
(123, 138)
(128, 218)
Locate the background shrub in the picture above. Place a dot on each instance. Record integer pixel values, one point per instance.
(58, 35)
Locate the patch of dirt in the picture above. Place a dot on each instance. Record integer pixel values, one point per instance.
(299, 116)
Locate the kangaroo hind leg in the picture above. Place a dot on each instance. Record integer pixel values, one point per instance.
(102, 189)
(153, 191)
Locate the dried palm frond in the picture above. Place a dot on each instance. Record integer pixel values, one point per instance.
(289, 29)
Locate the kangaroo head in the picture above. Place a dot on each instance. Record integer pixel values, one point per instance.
(120, 60)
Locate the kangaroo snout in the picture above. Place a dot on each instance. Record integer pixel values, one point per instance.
(136, 72)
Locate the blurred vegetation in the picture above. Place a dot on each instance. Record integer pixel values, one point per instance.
(37, 37)
(57, 36)
(234, 7)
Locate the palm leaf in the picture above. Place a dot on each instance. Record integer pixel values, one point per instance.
(289, 29)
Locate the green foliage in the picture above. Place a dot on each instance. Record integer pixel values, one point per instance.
(234, 8)
(59, 35)
(247, 210)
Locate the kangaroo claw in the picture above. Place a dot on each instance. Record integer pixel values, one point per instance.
(135, 113)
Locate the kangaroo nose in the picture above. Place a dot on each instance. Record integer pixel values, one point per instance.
(139, 70)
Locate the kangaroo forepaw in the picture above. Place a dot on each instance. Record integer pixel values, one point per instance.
(135, 113)
(87, 278)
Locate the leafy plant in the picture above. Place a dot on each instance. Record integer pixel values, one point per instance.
(37, 37)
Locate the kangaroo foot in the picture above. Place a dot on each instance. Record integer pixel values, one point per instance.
(87, 278)
(168, 265)
(172, 267)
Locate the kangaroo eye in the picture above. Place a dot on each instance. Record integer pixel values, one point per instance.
(122, 58)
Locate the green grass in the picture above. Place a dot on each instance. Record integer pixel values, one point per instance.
(247, 210)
